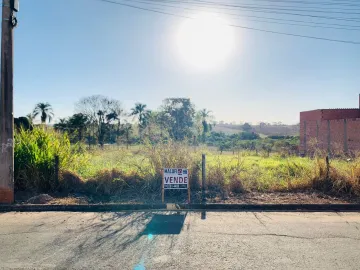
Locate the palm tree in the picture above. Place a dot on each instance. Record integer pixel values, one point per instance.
(112, 117)
(143, 115)
(45, 110)
(140, 111)
(205, 114)
(62, 125)
(206, 117)
(101, 129)
(127, 131)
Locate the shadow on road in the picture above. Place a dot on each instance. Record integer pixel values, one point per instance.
(108, 233)
(165, 224)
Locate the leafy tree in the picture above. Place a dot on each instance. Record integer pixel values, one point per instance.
(248, 136)
(78, 123)
(62, 125)
(99, 111)
(22, 122)
(127, 131)
(246, 127)
(74, 125)
(45, 110)
(180, 113)
(163, 119)
(224, 146)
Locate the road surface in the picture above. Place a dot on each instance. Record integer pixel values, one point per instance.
(165, 240)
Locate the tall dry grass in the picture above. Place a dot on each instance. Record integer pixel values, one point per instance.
(115, 171)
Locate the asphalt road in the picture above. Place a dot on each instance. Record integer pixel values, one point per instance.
(164, 240)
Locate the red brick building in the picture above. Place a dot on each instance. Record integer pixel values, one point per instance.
(330, 129)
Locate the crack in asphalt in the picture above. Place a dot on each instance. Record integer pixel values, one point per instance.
(347, 222)
(14, 233)
(282, 235)
(266, 216)
(261, 222)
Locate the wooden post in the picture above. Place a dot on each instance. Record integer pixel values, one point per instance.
(203, 174)
(56, 171)
(6, 105)
(328, 137)
(327, 167)
(305, 138)
(162, 186)
(189, 192)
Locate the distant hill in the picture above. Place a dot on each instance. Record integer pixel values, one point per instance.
(263, 129)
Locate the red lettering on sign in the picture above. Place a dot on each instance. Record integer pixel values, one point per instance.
(185, 180)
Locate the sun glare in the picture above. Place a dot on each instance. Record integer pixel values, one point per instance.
(205, 42)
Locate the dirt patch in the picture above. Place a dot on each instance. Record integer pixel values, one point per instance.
(311, 197)
(70, 200)
(284, 198)
(40, 199)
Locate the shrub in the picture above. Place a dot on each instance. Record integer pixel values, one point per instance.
(173, 155)
(34, 155)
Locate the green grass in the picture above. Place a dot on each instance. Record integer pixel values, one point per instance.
(243, 171)
(114, 169)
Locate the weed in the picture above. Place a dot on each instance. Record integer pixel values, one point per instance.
(116, 170)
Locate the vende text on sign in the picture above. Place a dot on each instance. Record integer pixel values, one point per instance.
(175, 178)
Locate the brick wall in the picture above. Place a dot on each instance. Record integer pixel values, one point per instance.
(337, 137)
(310, 115)
(333, 114)
(323, 135)
(343, 135)
(330, 129)
(353, 133)
(308, 122)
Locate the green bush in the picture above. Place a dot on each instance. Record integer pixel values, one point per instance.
(34, 158)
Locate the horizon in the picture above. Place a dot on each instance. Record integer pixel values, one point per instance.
(133, 55)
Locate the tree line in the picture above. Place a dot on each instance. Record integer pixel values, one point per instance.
(102, 120)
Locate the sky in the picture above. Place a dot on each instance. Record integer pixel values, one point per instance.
(68, 49)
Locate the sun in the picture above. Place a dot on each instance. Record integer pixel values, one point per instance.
(205, 42)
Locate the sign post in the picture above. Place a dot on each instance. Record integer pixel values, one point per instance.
(175, 178)
(162, 186)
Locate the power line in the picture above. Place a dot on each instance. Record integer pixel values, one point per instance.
(271, 7)
(232, 25)
(316, 25)
(265, 10)
(331, 3)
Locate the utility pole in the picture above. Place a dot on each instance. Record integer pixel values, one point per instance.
(9, 7)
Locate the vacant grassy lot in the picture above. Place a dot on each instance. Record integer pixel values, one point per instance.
(114, 170)
(239, 172)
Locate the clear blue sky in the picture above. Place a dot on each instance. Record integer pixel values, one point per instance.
(68, 49)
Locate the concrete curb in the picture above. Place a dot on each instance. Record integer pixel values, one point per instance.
(188, 207)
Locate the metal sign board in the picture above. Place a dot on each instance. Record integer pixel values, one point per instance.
(175, 178)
